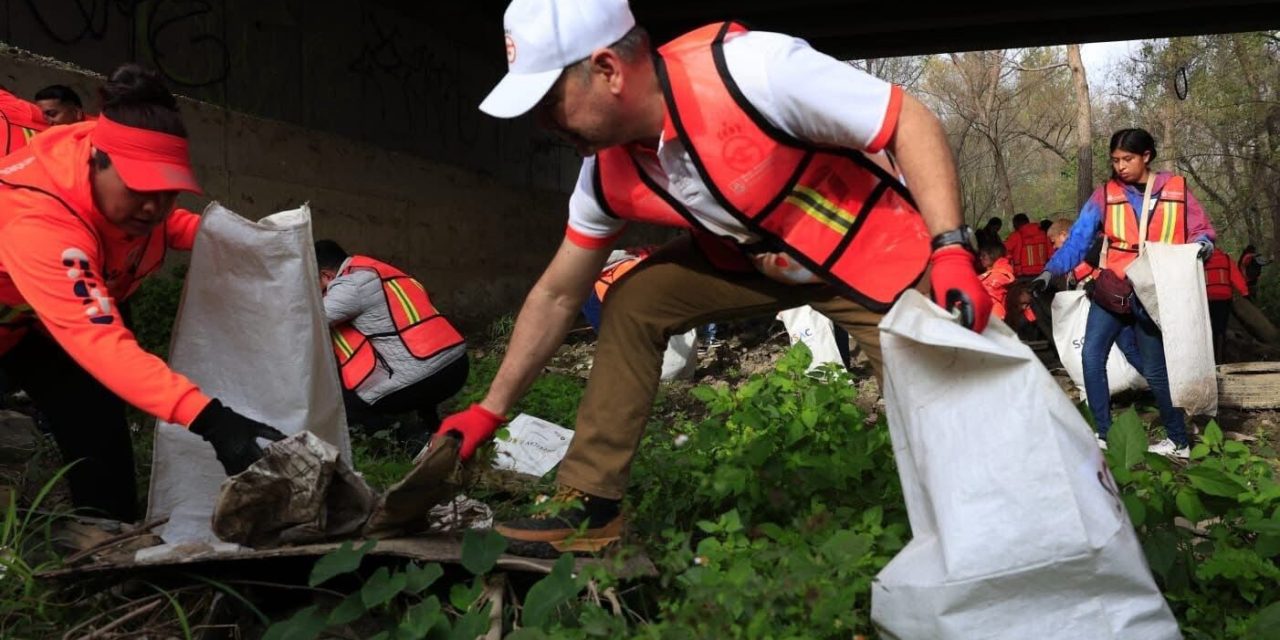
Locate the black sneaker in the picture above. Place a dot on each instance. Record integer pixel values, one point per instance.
(572, 521)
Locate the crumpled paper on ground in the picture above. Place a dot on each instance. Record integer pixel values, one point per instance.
(302, 491)
(299, 492)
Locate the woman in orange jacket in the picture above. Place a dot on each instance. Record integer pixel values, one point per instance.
(86, 212)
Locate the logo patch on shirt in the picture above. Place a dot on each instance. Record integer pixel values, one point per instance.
(85, 286)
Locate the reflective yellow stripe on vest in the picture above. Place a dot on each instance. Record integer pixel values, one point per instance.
(10, 314)
(1118, 222)
(410, 311)
(1169, 221)
(821, 209)
(342, 345)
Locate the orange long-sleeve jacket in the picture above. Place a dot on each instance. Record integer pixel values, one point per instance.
(63, 266)
(996, 281)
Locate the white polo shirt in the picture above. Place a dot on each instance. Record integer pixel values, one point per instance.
(807, 94)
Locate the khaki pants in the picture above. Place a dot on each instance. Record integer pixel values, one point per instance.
(671, 292)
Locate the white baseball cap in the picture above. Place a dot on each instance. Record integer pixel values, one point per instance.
(544, 37)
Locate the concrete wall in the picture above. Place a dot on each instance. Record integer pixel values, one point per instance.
(474, 241)
(358, 68)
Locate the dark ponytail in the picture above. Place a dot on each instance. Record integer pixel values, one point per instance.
(1134, 141)
(135, 96)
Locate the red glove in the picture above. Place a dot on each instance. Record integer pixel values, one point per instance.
(476, 425)
(956, 286)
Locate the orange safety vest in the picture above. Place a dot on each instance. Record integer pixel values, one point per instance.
(1033, 250)
(420, 327)
(614, 272)
(834, 210)
(1084, 272)
(1168, 221)
(19, 121)
(1217, 276)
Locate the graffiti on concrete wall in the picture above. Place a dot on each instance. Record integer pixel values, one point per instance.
(181, 39)
(357, 69)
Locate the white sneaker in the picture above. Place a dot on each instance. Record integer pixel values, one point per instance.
(1166, 447)
(1102, 443)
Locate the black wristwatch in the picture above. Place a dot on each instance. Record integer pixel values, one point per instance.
(962, 235)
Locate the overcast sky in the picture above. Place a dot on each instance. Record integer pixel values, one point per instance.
(1100, 56)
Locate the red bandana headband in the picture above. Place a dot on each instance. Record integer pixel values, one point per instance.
(136, 143)
(146, 160)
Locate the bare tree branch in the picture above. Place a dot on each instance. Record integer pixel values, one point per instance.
(1056, 65)
(1046, 144)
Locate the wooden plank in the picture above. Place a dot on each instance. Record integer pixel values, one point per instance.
(434, 548)
(1249, 385)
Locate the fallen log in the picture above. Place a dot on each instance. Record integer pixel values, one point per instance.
(1254, 321)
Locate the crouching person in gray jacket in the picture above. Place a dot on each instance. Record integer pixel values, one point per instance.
(395, 352)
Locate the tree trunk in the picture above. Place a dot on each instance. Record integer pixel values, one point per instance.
(1165, 150)
(1084, 126)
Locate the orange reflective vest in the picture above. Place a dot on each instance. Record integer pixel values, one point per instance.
(1084, 272)
(614, 272)
(1221, 275)
(19, 121)
(1029, 250)
(1168, 221)
(836, 211)
(420, 327)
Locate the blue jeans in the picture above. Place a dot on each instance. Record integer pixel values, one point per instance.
(1101, 331)
(1128, 345)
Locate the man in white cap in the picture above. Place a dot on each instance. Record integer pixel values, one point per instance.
(788, 169)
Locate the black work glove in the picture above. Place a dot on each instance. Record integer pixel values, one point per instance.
(1041, 283)
(233, 436)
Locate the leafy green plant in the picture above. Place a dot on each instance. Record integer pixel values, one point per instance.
(29, 607)
(403, 603)
(773, 514)
(153, 308)
(1211, 530)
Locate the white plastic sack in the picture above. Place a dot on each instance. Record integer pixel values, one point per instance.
(251, 332)
(533, 446)
(1070, 314)
(814, 330)
(681, 357)
(1169, 280)
(1017, 531)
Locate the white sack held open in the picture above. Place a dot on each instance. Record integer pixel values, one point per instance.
(1017, 530)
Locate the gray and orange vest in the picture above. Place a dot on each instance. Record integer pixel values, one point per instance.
(419, 326)
(834, 210)
(1167, 223)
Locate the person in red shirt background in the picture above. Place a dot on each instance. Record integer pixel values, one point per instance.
(86, 212)
(1221, 276)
